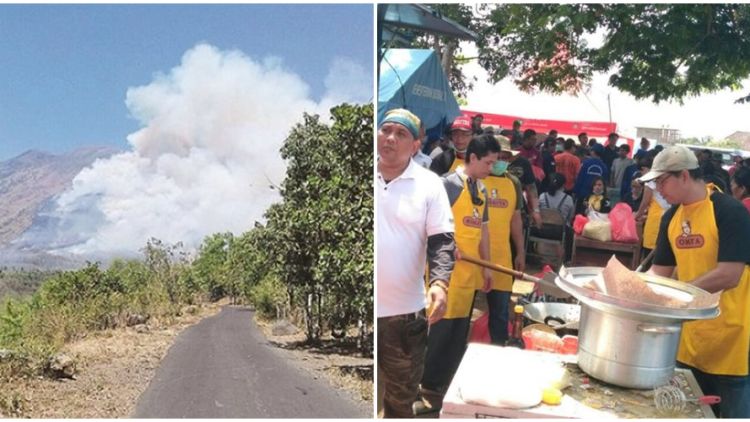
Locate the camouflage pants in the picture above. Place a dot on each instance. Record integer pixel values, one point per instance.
(401, 347)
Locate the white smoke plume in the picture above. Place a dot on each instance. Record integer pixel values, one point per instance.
(204, 158)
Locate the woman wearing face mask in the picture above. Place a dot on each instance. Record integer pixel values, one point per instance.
(504, 202)
(740, 185)
(598, 200)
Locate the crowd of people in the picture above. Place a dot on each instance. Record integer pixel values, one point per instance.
(476, 192)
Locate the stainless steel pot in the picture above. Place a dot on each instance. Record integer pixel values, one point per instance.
(627, 350)
(628, 343)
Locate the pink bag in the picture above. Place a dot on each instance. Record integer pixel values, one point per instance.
(623, 224)
(579, 222)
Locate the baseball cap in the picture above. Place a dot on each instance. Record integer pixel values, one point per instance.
(505, 144)
(461, 123)
(674, 158)
(405, 118)
(598, 149)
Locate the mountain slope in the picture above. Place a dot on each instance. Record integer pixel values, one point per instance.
(34, 177)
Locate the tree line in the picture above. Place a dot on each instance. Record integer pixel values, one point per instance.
(311, 260)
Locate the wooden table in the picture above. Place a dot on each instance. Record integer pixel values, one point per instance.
(595, 253)
(584, 398)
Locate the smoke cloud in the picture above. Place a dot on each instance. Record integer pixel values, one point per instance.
(204, 158)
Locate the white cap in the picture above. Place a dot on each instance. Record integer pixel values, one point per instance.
(674, 158)
(505, 144)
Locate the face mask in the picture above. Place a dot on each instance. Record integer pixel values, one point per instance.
(598, 191)
(559, 148)
(499, 168)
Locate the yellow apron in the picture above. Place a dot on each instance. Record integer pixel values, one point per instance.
(721, 345)
(468, 222)
(456, 163)
(653, 220)
(502, 201)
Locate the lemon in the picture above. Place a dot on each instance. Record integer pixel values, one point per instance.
(552, 396)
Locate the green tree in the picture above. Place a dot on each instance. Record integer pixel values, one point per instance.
(320, 235)
(211, 268)
(653, 51)
(168, 265)
(247, 260)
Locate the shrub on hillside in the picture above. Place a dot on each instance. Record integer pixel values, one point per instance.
(269, 297)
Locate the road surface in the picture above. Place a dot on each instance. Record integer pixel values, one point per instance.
(223, 367)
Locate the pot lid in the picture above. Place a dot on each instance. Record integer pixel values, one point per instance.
(699, 303)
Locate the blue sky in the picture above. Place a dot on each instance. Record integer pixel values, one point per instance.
(65, 69)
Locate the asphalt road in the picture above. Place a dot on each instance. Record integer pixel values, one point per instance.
(223, 367)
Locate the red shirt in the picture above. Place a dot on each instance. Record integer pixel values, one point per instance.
(568, 165)
(533, 155)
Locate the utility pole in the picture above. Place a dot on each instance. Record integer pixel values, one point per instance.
(609, 106)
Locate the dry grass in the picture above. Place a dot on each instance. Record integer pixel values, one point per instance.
(114, 368)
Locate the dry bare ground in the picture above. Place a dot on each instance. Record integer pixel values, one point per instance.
(115, 366)
(335, 360)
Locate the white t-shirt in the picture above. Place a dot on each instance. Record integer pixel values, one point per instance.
(408, 210)
(422, 159)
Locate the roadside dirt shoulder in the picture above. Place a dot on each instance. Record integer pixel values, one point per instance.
(334, 360)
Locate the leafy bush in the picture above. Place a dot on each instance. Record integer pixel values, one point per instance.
(269, 297)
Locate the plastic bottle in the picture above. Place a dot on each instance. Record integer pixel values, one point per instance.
(515, 338)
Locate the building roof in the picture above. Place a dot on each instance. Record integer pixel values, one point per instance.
(742, 138)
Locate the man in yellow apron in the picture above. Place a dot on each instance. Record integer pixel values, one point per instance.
(452, 158)
(505, 203)
(446, 340)
(704, 237)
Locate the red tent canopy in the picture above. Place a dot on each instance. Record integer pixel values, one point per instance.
(593, 129)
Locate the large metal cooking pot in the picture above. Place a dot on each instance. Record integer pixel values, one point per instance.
(627, 350)
(629, 343)
(554, 315)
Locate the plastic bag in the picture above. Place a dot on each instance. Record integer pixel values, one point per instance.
(623, 224)
(579, 222)
(596, 215)
(541, 340)
(598, 230)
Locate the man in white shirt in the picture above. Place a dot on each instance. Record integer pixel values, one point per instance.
(414, 224)
(420, 157)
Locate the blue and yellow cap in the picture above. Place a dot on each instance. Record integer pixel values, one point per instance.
(405, 118)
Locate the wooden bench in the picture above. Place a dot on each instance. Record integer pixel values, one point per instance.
(595, 253)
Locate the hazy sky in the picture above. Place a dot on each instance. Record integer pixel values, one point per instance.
(200, 98)
(713, 115)
(66, 69)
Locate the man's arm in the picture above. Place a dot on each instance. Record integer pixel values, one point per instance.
(533, 198)
(440, 257)
(440, 260)
(725, 276)
(440, 248)
(733, 223)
